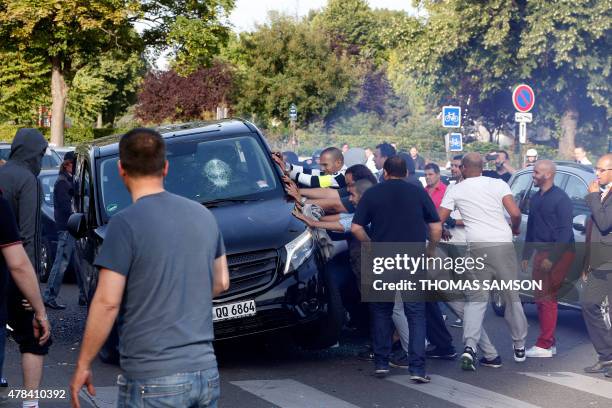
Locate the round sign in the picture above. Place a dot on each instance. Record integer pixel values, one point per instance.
(523, 98)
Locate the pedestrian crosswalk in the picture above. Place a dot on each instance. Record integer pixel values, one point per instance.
(462, 394)
(290, 393)
(596, 386)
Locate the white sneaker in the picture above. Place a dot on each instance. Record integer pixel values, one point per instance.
(540, 352)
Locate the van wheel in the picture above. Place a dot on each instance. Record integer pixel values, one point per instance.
(325, 331)
(498, 303)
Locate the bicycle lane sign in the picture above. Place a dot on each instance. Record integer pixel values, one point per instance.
(451, 116)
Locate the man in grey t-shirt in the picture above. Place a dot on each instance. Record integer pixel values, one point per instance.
(158, 275)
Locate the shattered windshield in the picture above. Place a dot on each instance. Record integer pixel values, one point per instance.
(204, 171)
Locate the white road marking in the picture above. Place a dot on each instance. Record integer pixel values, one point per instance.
(462, 394)
(291, 394)
(596, 386)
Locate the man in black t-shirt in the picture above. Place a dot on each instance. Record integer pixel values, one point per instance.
(402, 213)
(13, 258)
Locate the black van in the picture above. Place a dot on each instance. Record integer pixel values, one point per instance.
(277, 275)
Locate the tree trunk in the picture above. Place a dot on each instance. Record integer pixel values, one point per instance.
(59, 97)
(99, 121)
(569, 126)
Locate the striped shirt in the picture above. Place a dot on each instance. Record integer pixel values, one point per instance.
(315, 178)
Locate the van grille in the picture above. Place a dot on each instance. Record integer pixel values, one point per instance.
(251, 270)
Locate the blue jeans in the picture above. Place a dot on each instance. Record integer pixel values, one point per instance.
(199, 389)
(65, 249)
(382, 334)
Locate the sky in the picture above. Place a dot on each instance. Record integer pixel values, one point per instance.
(247, 13)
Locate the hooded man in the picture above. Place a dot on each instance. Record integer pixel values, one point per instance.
(21, 188)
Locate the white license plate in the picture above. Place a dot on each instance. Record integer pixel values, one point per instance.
(234, 310)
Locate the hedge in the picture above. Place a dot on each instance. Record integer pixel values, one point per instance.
(72, 136)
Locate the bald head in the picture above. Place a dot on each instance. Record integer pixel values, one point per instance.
(544, 174)
(546, 166)
(472, 165)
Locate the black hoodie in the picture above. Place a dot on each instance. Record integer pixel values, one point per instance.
(21, 188)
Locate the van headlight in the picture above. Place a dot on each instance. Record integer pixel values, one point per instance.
(298, 251)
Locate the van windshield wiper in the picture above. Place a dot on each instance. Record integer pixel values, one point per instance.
(214, 203)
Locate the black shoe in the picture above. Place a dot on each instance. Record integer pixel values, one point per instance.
(519, 355)
(367, 354)
(54, 305)
(494, 362)
(608, 372)
(420, 379)
(399, 360)
(381, 372)
(449, 354)
(468, 359)
(599, 367)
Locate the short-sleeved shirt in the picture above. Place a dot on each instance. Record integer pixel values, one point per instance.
(397, 211)
(458, 233)
(165, 246)
(436, 193)
(479, 200)
(9, 235)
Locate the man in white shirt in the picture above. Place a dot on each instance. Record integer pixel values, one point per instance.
(481, 202)
(580, 156)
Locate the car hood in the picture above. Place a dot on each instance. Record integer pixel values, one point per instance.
(252, 225)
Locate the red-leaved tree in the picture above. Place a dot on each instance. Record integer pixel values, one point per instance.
(167, 96)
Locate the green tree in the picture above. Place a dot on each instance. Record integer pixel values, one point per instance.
(193, 30)
(566, 47)
(473, 53)
(22, 84)
(286, 62)
(66, 34)
(69, 35)
(105, 88)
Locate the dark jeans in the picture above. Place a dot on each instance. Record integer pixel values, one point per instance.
(597, 287)
(437, 333)
(64, 253)
(382, 334)
(341, 276)
(186, 390)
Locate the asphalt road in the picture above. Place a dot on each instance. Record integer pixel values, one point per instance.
(269, 371)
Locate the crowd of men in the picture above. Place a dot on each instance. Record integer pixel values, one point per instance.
(369, 197)
(469, 216)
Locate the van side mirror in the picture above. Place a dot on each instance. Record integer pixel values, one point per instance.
(580, 222)
(77, 227)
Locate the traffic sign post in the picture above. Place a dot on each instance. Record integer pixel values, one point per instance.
(293, 119)
(293, 112)
(523, 117)
(522, 132)
(523, 100)
(455, 142)
(451, 116)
